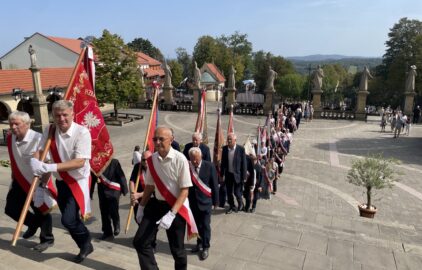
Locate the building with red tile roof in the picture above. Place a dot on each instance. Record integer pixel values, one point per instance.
(212, 77)
(51, 52)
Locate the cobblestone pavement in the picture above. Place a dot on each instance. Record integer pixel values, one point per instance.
(312, 222)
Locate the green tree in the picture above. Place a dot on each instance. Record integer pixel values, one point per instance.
(206, 50)
(145, 46)
(291, 86)
(117, 76)
(176, 71)
(404, 48)
(185, 60)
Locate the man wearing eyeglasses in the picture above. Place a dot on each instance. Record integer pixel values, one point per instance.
(168, 176)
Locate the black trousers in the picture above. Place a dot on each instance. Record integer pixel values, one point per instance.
(247, 195)
(145, 235)
(256, 195)
(203, 223)
(222, 194)
(233, 188)
(109, 208)
(70, 215)
(15, 201)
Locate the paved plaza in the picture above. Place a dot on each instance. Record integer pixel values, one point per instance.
(312, 222)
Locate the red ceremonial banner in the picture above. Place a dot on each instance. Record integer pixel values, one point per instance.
(88, 114)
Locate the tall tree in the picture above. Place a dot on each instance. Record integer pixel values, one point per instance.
(117, 76)
(185, 60)
(176, 71)
(145, 46)
(291, 86)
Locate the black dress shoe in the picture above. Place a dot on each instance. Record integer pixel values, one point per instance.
(252, 210)
(30, 232)
(85, 251)
(106, 236)
(229, 211)
(204, 254)
(43, 246)
(117, 229)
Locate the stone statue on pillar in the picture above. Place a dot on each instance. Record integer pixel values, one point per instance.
(168, 87)
(231, 89)
(316, 78)
(269, 91)
(197, 76)
(39, 103)
(362, 94)
(366, 75)
(410, 91)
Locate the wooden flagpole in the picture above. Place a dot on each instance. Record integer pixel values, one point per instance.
(35, 180)
(154, 104)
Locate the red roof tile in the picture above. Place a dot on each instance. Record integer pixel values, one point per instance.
(149, 72)
(22, 78)
(216, 72)
(70, 43)
(144, 59)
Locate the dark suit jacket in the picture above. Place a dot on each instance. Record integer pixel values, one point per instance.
(208, 175)
(175, 145)
(259, 180)
(250, 172)
(204, 149)
(114, 173)
(239, 163)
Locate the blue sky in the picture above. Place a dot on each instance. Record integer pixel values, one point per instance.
(286, 28)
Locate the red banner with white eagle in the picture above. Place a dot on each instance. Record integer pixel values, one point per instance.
(87, 113)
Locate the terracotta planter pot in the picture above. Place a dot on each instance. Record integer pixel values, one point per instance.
(368, 213)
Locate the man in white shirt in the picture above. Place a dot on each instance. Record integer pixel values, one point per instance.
(22, 143)
(168, 176)
(70, 151)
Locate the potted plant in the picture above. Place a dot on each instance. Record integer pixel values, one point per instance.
(372, 172)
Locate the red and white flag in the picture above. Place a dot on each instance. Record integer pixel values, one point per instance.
(153, 121)
(87, 113)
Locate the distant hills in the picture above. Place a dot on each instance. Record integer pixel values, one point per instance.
(352, 63)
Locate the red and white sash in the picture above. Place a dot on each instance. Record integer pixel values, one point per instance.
(108, 183)
(78, 185)
(170, 194)
(23, 175)
(198, 182)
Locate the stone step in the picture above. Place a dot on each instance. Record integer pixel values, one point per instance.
(113, 255)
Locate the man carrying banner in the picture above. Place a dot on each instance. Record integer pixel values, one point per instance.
(202, 196)
(70, 151)
(197, 142)
(167, 175)
(22, 143)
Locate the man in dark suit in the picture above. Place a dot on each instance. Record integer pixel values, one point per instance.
(111, 184)
(233, 169)
(197, 142)
(202, 196)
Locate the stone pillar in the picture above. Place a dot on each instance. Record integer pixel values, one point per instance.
(196, 96)
(408, 103)
(39, 102)
(268, 105)
(316, 102)
(360, 113)
(231, 98)
(168, 95)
